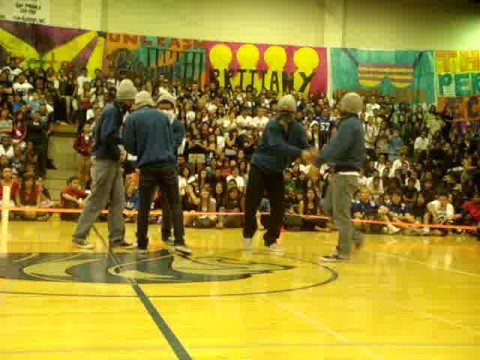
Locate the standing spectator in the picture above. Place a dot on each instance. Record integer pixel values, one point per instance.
(84, 145)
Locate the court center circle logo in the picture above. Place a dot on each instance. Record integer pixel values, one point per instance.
(73, 273)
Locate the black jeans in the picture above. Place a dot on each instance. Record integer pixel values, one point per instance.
(270, 185)
(167, 218)
(166, 177)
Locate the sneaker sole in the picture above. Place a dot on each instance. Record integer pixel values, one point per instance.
(85, 247)
(184, 252)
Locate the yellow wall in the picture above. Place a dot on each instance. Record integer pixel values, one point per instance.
(387, 24)
(271, 21)
(412, 24)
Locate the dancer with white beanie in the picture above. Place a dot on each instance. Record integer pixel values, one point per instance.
(108, 186)
(283, 140)
(345, 153)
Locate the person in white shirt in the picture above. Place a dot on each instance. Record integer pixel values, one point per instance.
(22, 86)
(238, 179)
(440, 211)
(421, 144)
(82, 79)
(244, 121)
(260, 121)
(371, 134)
(381, 164)
(399, 164)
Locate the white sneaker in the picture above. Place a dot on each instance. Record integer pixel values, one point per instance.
(184, 249)
(276, 248)
(426, 231)
(247, 243)
(392, 230)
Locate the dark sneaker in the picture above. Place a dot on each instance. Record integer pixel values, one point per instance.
(333, 258)
(359, 244)
(83, 244)
(184, 249)
(123, 244)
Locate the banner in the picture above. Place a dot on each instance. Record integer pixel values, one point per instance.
(42, 46)
(465, 108)
(150, 56)
(458, 73)
(31, 11)
(406, 75)
(273, 67)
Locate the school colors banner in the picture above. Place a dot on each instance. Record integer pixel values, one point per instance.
(407, 75)
(41, 46)
(274, 67)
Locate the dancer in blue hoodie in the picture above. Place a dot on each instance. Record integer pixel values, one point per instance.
(283, 141)
(148, 135)
(346, 155)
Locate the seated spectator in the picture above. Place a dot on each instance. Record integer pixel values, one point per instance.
(6, 147)
(365, 209)
(132, 200)
(410, 192)
(8, 180)
(395, 145)
(472, 209)
(19, 133)
(29, 195)
(310, 206)
(72, 197)
(239, 181)
(5, 122)
(394, 211)
(441, 212)
(419, 210)
(232, 205)
(207, 204)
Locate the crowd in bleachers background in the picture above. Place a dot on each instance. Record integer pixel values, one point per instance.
(422, 165)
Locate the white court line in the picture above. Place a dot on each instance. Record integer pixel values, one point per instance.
(441, 319)
(322, 327)
(425, 263)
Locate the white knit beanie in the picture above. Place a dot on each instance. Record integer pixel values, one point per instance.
(126, 90)
(143, 98)
(287, 101)
(167, 97)
(351, 103)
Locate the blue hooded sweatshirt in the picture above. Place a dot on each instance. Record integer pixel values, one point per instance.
(278, 149)
(148, 135)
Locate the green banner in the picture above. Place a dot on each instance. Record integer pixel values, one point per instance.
(406, 75)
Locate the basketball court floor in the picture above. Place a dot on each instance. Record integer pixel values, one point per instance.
(407, 299)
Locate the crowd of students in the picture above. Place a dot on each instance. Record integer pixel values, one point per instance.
(422, 165)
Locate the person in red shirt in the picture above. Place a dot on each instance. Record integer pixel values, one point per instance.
(72, 197)
(472, 209)
(29, 195)
(84, 145)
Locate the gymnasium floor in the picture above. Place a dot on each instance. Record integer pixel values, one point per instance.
(402, 300)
